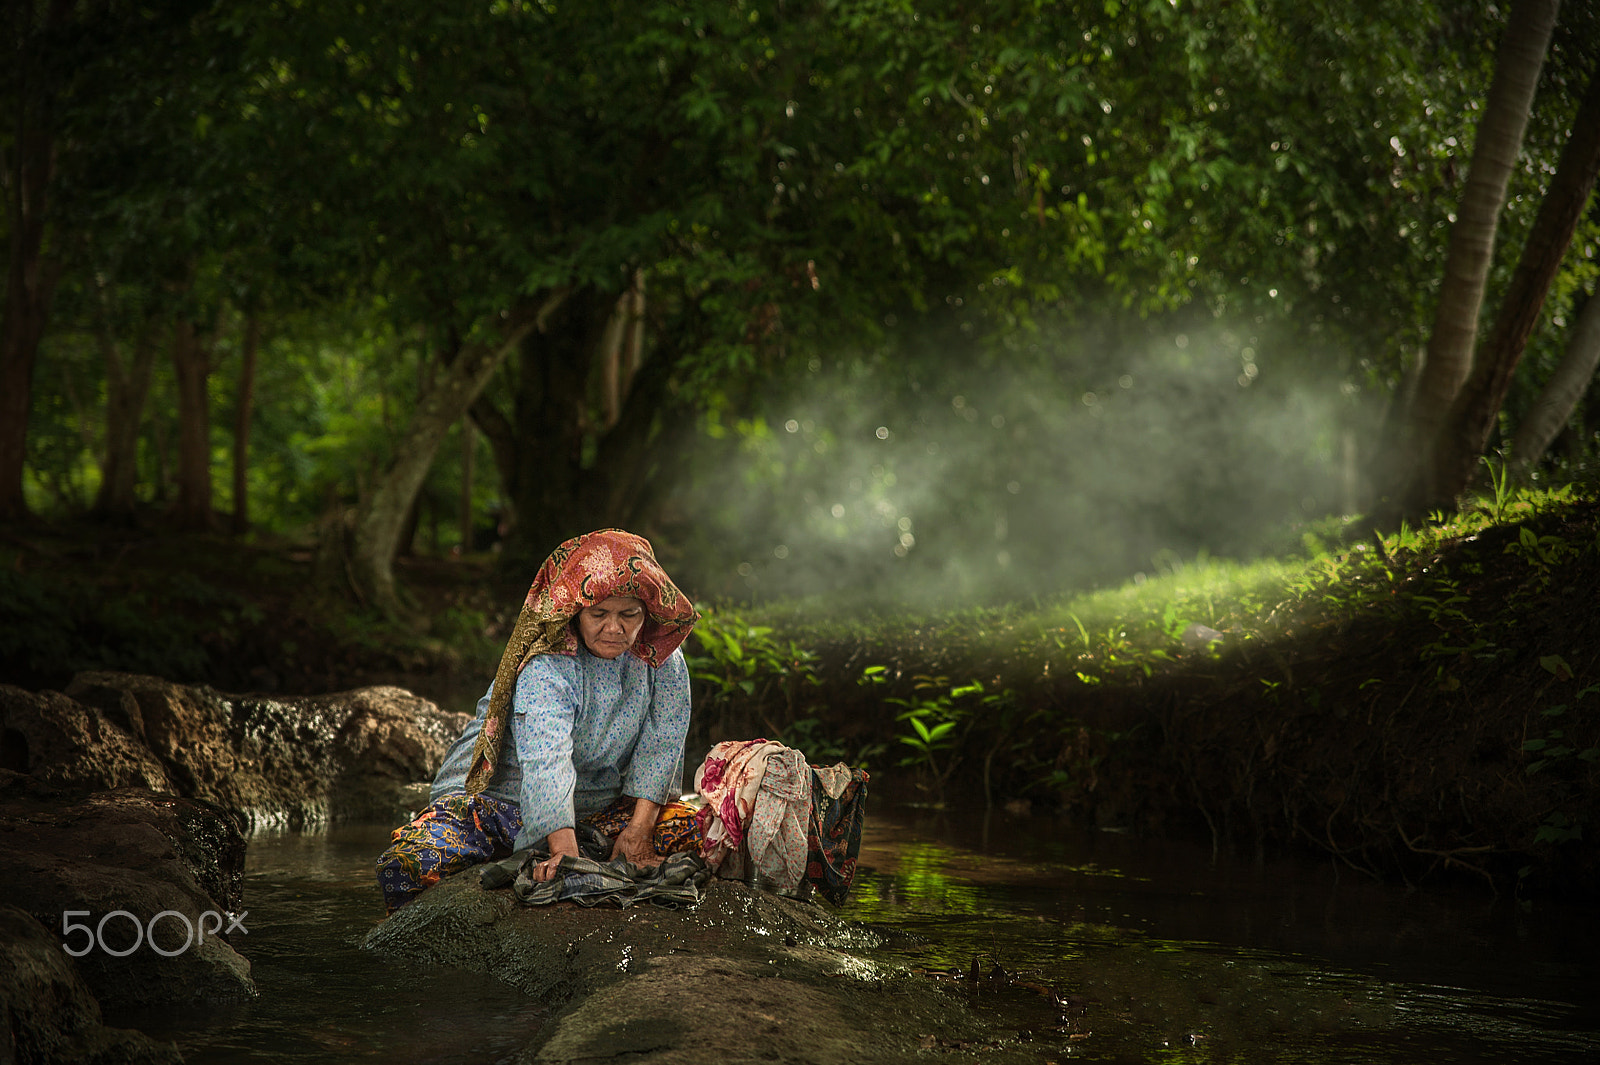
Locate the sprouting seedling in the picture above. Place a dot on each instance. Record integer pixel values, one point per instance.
(874, 675)
(1083, 633)
(1500, 482)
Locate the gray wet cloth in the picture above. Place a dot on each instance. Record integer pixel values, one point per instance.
(675, 883)
(592, 843)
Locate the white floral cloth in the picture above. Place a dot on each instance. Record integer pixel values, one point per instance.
(728, 781)
(776, 840)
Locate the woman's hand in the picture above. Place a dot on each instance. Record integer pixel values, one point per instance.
(563, 841)
(636, 843)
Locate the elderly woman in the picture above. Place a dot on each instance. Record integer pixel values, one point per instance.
(593, 693)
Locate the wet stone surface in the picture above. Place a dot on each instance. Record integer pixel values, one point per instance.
(135, 854)
(49, 1013)
(744, 976)
(123, 806)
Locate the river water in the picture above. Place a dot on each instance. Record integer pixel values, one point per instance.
(1082, 945)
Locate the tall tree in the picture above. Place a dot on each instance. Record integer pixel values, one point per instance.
(1574, 375)
(33, 89)
(511, 149)
(1465, 434)
(791, 177)
(127, 386)
(578, 442)
(379, 520)
(83, 89)
(243, 408)
(192, 347)
(1449, 357)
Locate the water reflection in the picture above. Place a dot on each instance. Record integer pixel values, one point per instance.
(1084, 946)
(311, 898)
(1100, 948)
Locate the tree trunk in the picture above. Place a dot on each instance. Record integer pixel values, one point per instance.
(242, 410)
(1448, 361)
(127, 387)
(496, 428)
(379, 520)
(1561, 393)
(565, 472)
(634, 466)
(405, 545)
(160, 483)
(191, 364)
(30, 282)
(582, 475)
(620, 345)
(464, 510)
(1466, 433)
(549, 425)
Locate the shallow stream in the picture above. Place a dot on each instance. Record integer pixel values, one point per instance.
(1086, 946)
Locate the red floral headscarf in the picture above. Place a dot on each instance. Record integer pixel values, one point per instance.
(580, 573)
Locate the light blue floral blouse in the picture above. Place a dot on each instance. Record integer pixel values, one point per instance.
(584, 731)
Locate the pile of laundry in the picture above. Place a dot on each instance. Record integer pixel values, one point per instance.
(767, 817)
(778, 823)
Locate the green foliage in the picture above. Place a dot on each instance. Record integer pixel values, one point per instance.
(1558, 763)
(1542, 553)
(742, 660)
(820, 745)
(944, 720)
(1121, 636)
(1559, 828)
(937, 722)
(1500, 485)
(52, 628)
(745, 677)
(854, 182)
(1552, 748)
(744, 674)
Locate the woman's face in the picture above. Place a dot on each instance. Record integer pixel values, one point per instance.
(610, 626)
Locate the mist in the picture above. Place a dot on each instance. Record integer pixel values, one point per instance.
(949, 477)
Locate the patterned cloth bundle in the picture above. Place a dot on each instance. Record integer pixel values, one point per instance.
(778, 823)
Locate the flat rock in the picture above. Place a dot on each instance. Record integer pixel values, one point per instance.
(295, 761)
(60, 741)
(744, 976)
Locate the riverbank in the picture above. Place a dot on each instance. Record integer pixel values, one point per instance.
(1423, 706)
(127, 800)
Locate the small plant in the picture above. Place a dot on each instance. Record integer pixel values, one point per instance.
(1445, 606)
(1004, 719)
(810, 735)
(934, 717)
(1543, 553)
(1552, 748)
(1501, 484)
(744, 677)
(1559, 828)
(741, 658)
(1173, 622)
(1083, 633)
(936, 722)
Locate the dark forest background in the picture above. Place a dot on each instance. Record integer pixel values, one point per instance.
(844, 299)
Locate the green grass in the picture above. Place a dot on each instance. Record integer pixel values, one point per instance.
(1138, 627)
